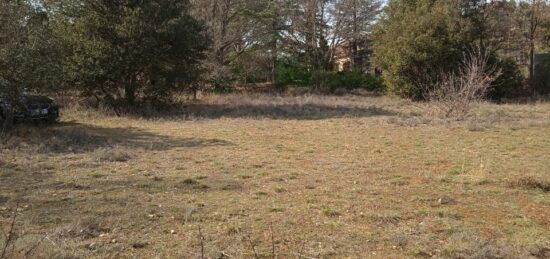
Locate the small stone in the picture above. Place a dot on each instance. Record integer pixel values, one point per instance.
(173, 232)
(151, 215)
(103, 235)
(113, 241)
(445, 200)
(90, 246)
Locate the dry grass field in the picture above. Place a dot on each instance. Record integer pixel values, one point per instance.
(257, 176)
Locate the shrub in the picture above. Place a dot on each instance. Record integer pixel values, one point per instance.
(510, 83)
(542, 77)
(294, 75)
(298, 75)
(416, 41)
(349, 80)
(322, 79)
(530, 182)
(456, 92)
(222, 85)
(112, 155)
(356, 80)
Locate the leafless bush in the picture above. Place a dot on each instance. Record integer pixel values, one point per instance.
(456, 92)
(531, 182)
(112, 155)
(14, 243)
(9, 237)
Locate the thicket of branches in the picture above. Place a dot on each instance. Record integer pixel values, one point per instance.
(455, 92)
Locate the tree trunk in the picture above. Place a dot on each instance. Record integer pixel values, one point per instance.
(532, 64)
(195, 88)
(130, 92)
(274, 50)
(532, 31)
(6, 121)
(353, 60)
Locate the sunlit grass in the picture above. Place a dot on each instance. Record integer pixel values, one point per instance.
(325, 176)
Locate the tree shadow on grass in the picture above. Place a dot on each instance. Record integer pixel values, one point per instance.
(260, 109)
(70, 137)
(282, 111)
(18, 177)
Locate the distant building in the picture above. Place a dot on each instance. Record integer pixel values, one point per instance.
(342, 60)
(346, 59)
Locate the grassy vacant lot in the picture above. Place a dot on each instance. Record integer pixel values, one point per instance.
(294, 177)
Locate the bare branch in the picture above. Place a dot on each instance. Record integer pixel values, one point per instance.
(455, 92)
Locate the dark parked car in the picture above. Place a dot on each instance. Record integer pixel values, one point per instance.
(30, 108)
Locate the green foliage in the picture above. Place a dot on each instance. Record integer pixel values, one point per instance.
(29, 55)
(356, 80)
(293, 75)
(222, 85)
(333, 81)
(417, 41)
(321, 79)
(125, 51)
(329, 80)
(510, 84)
(542, 77)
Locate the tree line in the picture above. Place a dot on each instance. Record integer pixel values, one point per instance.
(125, 52)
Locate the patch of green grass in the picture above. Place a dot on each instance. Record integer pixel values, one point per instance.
(329, 212)
(97, 175)
(279, 189)
(447, 213)
(456, 171)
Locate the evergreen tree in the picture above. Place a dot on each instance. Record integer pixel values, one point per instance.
(124, 51)
(29, 55)
(417, 41)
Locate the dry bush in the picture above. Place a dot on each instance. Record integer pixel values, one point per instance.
(531, 182)
(112, 155)
(17, 243)
(465, 244)
(456, 92)
(47, 139)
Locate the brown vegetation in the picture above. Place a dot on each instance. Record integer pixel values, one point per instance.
(257, 176)
(455, 94)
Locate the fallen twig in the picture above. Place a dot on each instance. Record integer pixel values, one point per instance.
(9, 236)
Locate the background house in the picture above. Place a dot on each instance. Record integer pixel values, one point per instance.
(356, 55)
